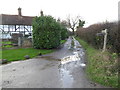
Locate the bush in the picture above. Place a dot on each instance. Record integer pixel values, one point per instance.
(64, 32)
(89, 35)
(46, 32)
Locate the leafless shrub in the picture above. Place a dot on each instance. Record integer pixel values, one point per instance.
(90, 35)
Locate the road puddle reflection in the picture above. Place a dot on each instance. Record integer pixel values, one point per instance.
(69, 63)
(76, 58)
(66, 77)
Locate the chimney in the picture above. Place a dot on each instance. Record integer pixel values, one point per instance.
(19, 11)
(41, 13)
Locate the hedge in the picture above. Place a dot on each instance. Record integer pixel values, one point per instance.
(89, 34)
(46, 32)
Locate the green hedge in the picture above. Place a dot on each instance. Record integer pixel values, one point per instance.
(89, 35)
(64, 32)
(47, 32)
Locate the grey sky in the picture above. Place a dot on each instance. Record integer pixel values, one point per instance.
(92, 11)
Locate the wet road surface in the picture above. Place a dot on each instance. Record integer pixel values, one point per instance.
(64, 68)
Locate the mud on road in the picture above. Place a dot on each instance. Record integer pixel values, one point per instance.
(64, 68)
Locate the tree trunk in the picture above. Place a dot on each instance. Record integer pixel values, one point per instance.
(73, 31)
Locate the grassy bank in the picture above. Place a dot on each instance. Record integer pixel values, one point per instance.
(18, 54)
(102, 67)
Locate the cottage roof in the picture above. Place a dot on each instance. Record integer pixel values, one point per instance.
(6, 19)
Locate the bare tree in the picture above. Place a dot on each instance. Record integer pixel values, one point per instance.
(74, 23)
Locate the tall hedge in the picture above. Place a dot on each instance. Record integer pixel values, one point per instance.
(46, 32)
(89, 35)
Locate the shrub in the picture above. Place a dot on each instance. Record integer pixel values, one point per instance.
(64, 32)
(89, 35)
(46, 32)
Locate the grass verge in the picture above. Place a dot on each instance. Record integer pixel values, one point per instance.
(102, 67)
(18, 54)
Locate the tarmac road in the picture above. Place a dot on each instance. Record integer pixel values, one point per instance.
(64, 68)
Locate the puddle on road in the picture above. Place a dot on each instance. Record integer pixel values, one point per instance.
(66, 78)
(69, 63)
(75, 58)
(67, 66)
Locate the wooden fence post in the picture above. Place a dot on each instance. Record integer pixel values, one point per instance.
(105, 39)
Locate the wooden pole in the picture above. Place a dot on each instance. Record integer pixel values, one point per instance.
(19, 29)
(15, 28)
(105, 40)
(24, 30)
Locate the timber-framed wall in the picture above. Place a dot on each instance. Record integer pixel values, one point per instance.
(15, 23)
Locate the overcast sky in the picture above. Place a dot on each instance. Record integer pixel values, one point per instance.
(92, 11)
